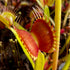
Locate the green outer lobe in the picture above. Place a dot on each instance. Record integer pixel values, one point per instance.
(22, 46)
(28, 40)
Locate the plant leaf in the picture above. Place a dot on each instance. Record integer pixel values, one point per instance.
(40, 62)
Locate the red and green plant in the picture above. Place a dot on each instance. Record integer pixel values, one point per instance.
(41, 43)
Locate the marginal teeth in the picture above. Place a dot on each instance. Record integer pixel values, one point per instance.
(25, 47)
(22, 42)
(28, 51)
(34, 58)
(52, 50)
(53, 34)
(54, 38)
(51, 28)
(20, 38)
(31, 55)
(54, 45)
(54, 42)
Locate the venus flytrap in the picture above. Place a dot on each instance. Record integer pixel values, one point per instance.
(26, 40)
(41, 36)
(4, 21)
(17, 29)
(23, 47)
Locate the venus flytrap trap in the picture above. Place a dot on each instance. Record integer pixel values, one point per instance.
(40, 42)
(44, 34)
(23, 47)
